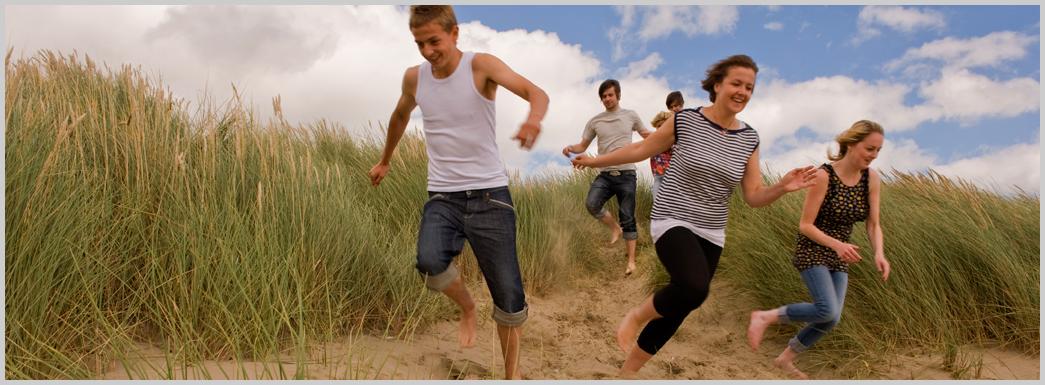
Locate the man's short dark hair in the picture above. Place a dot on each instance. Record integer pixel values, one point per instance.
(675, 97)
(607, 84)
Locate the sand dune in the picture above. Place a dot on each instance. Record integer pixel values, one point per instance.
(569, 335)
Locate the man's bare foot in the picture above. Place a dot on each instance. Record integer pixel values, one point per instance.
(627, 331)
(760, 320)
(788, 367)
(617, 233)
(466, 335)
(631, 269)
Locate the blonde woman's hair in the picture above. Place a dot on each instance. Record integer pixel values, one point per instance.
(441, 14)
(660, 118)
(855, 134)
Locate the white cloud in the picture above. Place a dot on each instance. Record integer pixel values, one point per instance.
(640, 24)
(991, 50)
(897, 18)
(902, 155)
(963, 95)
(619, 35)
(28, 27)
(351, 73)
(1022, 163)
(281, 39)
(826, 105)
(774, 26)
(1018, 165)
(644, 66)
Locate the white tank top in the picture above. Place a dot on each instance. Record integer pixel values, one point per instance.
(459, 131)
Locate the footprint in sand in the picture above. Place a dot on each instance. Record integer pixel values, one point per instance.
(462, 369)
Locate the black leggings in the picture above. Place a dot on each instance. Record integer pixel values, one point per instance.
(690, 261)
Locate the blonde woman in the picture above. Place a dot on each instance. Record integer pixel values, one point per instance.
(845, 191)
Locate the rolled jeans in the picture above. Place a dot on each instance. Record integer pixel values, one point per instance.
(486, 219)
(828, 291)
(608, 184)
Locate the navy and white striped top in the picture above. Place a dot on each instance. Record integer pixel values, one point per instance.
(707, 165)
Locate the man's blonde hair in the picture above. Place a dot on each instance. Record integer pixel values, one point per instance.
(441, 14)
(660, 118)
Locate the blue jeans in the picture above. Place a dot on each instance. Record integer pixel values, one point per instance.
(486, 218)
(828, 291)
(622, 185)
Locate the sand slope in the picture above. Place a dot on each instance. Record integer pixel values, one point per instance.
(569, 335)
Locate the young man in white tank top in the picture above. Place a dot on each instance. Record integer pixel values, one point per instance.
(467, 183)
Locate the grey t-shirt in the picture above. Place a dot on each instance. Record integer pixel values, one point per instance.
(614, 130)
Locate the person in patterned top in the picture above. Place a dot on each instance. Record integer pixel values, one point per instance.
(845, 191)
(659, 163)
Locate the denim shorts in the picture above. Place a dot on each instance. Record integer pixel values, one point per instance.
(486, 219)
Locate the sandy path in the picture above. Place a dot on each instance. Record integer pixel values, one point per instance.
(569, 335)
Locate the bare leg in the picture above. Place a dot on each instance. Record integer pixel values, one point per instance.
(612, 224)
(459, 294)
(631, 256)
(510, 336)
(786, 362)
(635, 360)
(629, 326)
(760, 320)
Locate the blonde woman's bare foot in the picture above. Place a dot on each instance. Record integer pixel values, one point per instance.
(627, 331)
(631, 269)
(788, 367)
(760, 320)
(466, 334)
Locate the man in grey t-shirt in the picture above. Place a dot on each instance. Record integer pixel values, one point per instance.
(613, 128)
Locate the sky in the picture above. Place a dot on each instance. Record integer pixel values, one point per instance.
(957, 88)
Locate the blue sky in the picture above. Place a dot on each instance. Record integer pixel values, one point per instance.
(957, 88)
(807, 42)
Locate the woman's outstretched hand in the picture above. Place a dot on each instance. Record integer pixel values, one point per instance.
(581, 161)
(798, 178)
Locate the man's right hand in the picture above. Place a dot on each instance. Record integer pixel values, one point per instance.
(377, 173)
(566, 151)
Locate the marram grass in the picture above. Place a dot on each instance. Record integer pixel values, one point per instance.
(965, 270)
(133, 217)
(212, 234)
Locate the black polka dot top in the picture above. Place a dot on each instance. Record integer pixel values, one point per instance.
(842, 207)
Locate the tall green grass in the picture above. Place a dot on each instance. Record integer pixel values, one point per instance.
(212, 234)
(134, 217)
(965, 270)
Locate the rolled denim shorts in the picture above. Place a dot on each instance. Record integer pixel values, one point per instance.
(486, 219)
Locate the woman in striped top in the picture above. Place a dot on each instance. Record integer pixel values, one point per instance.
(713, 153)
